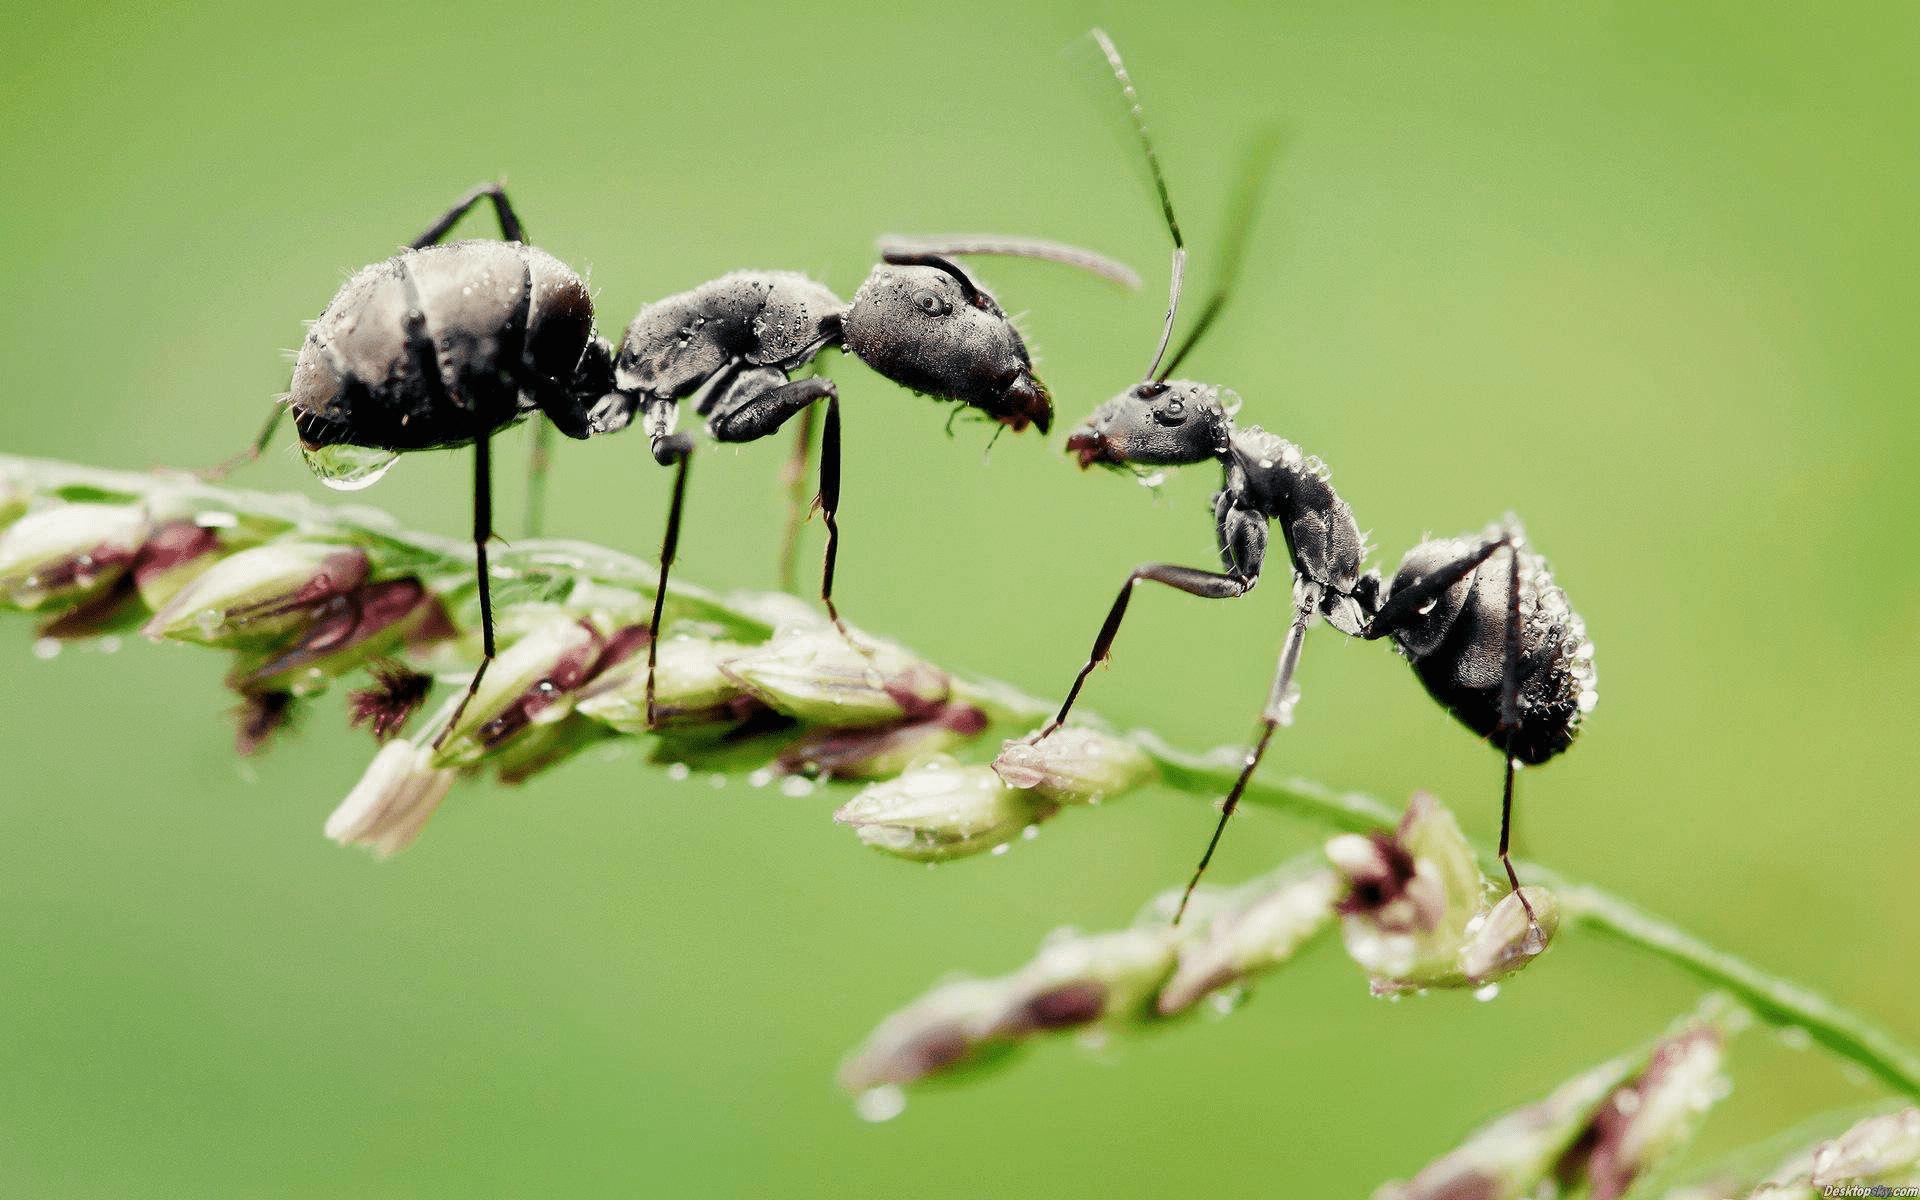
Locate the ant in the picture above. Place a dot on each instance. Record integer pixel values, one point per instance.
(732, 344)
(1489, 634)
(444, 345)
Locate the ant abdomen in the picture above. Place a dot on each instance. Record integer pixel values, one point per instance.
(439, 345)
(1458, 649)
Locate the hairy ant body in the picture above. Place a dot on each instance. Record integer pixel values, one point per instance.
(1490, 636)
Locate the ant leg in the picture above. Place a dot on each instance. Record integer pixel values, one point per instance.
(1278, 712)
(482, 534)
(830, 506)
(1510, 717)
(1405, 602)
(252, 453)
(509, 223)
(744, 415)
(539, 461)
(793, 478)
(668, 448)
(1209, 585)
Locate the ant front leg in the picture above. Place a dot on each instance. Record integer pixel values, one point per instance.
(758, 403)
(1242, 535)
(792, 479)
(1208, 585)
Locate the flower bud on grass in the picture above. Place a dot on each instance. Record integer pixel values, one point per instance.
(691, 688)
(530, 684)
(61, 556)
(1255, 930)
(1650, 1119)
(1593, 1137)
(941, 810)
(171, 558)
(1075, 765)
(812, 674)
(1415, 914)
(390, 805)
(1075, 981)
(544, 746)
(1879, 1150)
(341, 633)
(883, 751)
(258, 595)
(13, 503)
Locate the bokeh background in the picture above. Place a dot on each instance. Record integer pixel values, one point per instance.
(1643, 273)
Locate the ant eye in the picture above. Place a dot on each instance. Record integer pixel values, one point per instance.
(931, 303)
(1174, 413)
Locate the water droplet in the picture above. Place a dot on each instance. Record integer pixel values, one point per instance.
(1153, 479)
(1002, 848)
(760, 778)
(1795, 1037)
(1030, 832)
(46, 649)
(879, 1104)
(1223, 1002)
(716, 781)
(349, 468)
(796, 785)
(678, 771)
(1487, 993)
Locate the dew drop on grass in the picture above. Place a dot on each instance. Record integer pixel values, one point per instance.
(46, 649)
(110, 644)
(1795, 1037)
(796, 785)
(760, 778)
(1487, 993)
(882, 1103)
(678, 771)
(1001, 849)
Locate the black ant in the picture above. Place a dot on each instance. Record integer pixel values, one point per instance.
(443, 346)
(1489, 634)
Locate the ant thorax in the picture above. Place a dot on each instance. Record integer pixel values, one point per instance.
(1274, 477)
(759, 318)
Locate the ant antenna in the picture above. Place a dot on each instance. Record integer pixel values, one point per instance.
(1262, 153)
(1139, 117)
(1046, 250)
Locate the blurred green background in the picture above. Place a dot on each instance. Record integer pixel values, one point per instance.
(1642, 273)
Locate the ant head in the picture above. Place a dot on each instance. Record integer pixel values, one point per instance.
(1158, 423)
(1421, 631)
(932, 328)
